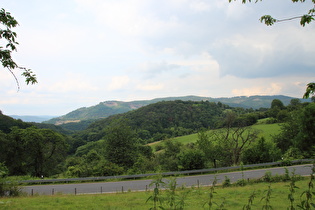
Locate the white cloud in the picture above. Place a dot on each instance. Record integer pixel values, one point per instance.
(199, 62)
(123, 16)
(10, 101)
(118, 82)
(200, 6)
(150, 87)
(237, 11)
(290, 85)
(58, 41)
(6, 78)
(72, 84)
(155, 69)
(270, 89)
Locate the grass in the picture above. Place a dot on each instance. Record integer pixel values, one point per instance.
(233, 198)
(267, 131)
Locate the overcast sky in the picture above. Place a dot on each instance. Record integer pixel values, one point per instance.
(88, 51)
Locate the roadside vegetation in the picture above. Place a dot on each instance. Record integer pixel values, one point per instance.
(288, 191)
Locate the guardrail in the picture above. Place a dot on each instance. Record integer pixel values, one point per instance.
(200, 171)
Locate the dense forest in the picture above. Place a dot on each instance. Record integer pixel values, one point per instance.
(108, 108)
(120, 143)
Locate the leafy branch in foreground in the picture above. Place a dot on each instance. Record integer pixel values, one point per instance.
(292, 190)
(7, 22)
(304, 19)
(210, 202)
(310, 90)
(156, 197)
(267, 198)
(172, 184)
(251, 198)
(307, 204)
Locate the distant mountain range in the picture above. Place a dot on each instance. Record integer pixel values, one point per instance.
(107, 108)
(30, 118)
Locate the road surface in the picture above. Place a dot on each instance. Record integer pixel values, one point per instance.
(141, 185)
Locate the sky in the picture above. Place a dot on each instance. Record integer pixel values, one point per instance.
(88, 51)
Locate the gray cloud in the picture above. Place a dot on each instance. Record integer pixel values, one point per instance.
(152, 70)
(261, 51)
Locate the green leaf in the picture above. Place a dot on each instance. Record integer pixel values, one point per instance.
(268, 20)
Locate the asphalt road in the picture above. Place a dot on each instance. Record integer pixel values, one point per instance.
(141, 185)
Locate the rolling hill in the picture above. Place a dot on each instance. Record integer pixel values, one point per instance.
(108, 108)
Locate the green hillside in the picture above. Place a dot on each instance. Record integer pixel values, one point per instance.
(266, 131)
(108, 108)
(168, 119)
(6, 123)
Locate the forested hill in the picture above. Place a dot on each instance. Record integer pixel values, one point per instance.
(7, 122)
(108, 108)
(166, 119)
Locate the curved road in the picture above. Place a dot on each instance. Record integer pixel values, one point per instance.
(140, 185)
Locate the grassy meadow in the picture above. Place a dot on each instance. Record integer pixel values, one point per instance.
(266, 131)
(193, 198)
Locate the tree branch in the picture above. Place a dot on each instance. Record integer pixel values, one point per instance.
(16, 80)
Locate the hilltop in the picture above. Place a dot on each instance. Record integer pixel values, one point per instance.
(108, 108)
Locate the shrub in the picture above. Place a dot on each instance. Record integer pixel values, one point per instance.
(226, 182)
(159, 147)
(267, 177)
(240, 182)
(7, 188)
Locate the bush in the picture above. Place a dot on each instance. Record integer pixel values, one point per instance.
(226, 182)
(159, 147)
(267, 177)
(7, 188)
(191, 160)
(240, 182)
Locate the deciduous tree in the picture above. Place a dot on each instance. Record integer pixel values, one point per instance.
(205, 144)
(191, 159)
(33, 151)
(236, 140)
(298, 132)
(120, 144)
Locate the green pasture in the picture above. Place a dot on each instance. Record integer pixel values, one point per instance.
(266, 131)
(196, 198)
